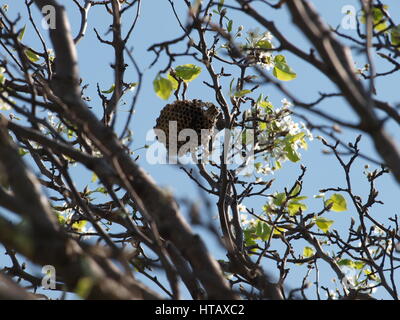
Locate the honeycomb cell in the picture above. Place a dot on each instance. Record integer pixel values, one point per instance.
(189, 114)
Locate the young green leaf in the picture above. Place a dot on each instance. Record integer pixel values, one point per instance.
(162, 87)
(324, 224)
(339, 203)
(345, 263)
(229, 25)
(22, 33)
(187, 72)
(31, 55)
(266, 231)
(281, 70)
(379, 19)
(279, 199)
(264, 44)
(308, 252)
(84, 287)
(111, 90)
(295, 207)
(220, 5)
(395, 36)
(94, 177)
(242, 93)
(291, 153)
(173, 81)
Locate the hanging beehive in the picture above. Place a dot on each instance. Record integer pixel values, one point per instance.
(188, 114)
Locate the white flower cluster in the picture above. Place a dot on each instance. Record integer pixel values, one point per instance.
(3, 105)
(245, 218)
(259, 43)
(276, 127)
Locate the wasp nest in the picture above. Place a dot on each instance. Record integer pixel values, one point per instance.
(188, 114)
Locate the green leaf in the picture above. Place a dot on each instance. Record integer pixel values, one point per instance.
(132, 85)
(31, 55)
(61, 219)
(395, 36)
(79, 225)
(281, 70)
(266, 104)
(70, 133)
(358, 265)
(22, 33)
(308, 252)
(101, 190)
(339, 203)
(324, 224)
(249, 236)
(229, 25)
(291, 153)
(262, 231)
(109, 90)
(174, 82)
(84, 287)
(258, 165)
(162, 87)
(220, 5)
(379, 19)
(294, 207)
(241, 93)
(279, 199)
(262, 125)
(264, 44)
(371, 275)
(94, 177)
(22, 152)
(293, 138)
(345, 263)
(266, 233)
(296, 189)
(187, 72)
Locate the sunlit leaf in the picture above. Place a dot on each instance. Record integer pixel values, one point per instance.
(264, 44)
(395, 36)
(241, 93)
(279, 199)
(339, 203)
(345, 263)
(379, 19)
(187, 72)
(84, 287)
(291, 153)
(308, 252)
(22, 33)
(162, 87)
(174, 82)
(323, 223)
(31, 55)
(94, 177)
(281, 70)
(79, 225)
(295, 207)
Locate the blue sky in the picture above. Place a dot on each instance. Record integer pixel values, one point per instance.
(157, 24)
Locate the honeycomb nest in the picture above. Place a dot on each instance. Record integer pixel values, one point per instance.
(188, 114)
